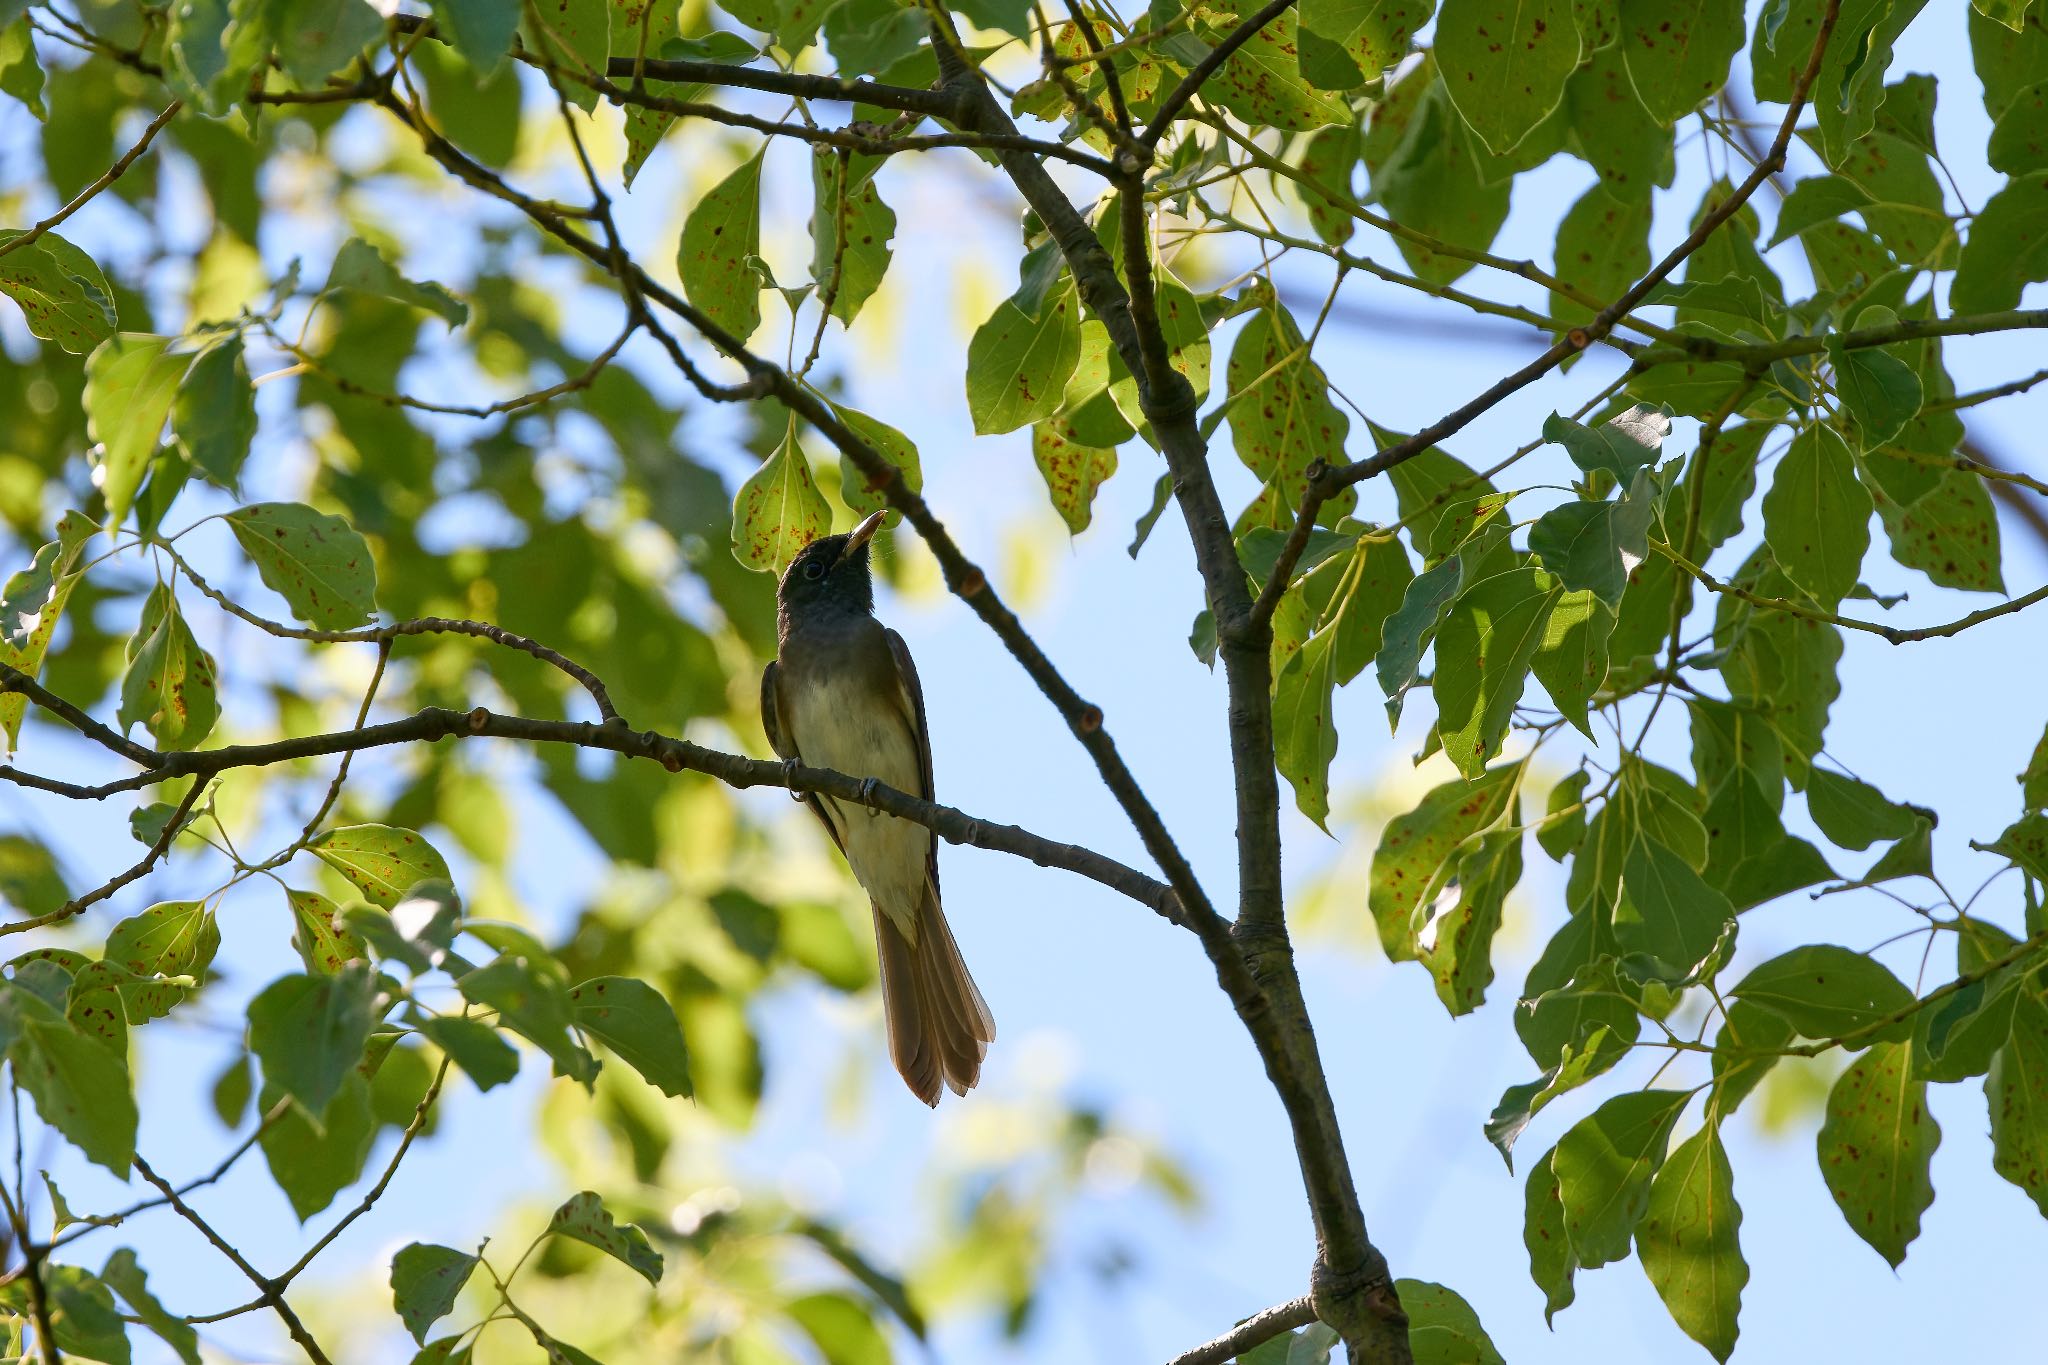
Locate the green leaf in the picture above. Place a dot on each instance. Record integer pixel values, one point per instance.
(1571, 663)
(62, 292)
(1881, 391)
(585, 1219)
(1667, 911)
(721, 234)
(1687, 1240)
(1748, 1045)
(425, 1280)
(80, 1086)
(448, 1350)
(214, 413)
(1595, 546)
(1603, 247)
(2034, 781)
(1817, 516)
(171, 938)
(2017, 1089)
(309, 1033)
(1484, 648)
(2011, 13)
(778, 510)
(312, 1164)
(1611, 128)
(171, 684)
(380, 861)
(323, 944)
(1853, 814)
(484, 1057)
(361, 267)
(84, 1321)
(1550, 1254)
(1417, 851)
(131, 379)
(1876, 1146)
(1345, 43)
(1187, 347)
(634, 1020)
(319, 564)
(534, 1004)
(1072, 470)
(870, 224)
(1018, 363)
(861, 496)
(1817, 199)
(1442, 1328)
(30, 604)
(575, 35)
(1425, 171)
(1444, 502)
(1678, 52)
(1409, 630)
(2019, 144)
(1604, 1164)
(1262, 82)
(1949, 533)
(21, 75)
(316, 38)
(1619, 446)
(841, 1328)
(2025, 841)
(1825, 991)
(1505, 63)
(1457, 946)
(125, 1276)
(480, 29)
(2007, 248)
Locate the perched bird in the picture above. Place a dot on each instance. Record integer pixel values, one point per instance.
(843, 694)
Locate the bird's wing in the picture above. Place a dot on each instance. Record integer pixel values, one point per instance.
(782, 739)
(906, 673)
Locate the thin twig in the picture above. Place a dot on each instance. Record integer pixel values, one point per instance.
(1254, 1331)
(86, 195)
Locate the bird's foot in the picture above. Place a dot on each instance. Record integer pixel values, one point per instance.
(867, 794)
(789, 767)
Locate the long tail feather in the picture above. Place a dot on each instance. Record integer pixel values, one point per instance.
(939, 1026)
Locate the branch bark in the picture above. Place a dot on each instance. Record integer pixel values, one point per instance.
(1254, 1331)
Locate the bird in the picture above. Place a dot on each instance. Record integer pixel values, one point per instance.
(842, 693)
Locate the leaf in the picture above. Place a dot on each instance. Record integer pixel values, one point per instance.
(1825, 991)
(841, 1328)
(1018, 363)
(870, 224)
(480, 29)
(323, 944)
(1881, 391)
(1550, 1255)
(1817, 516)
(1416, 851)
(1345, 43)
(1817, 199)
(316, 38)
(80, 1086)
(1457, 946)
(1678, 52)
(585, 1219)
(1876, 1144)
(319, 564)
(1949, 533)
(425, 1280)
(62, 292)
(2025, 841)
(1425, 172)
(309, 1032)
(1571, 663)
(1262, 82)
(21, 75)
(722, 232)
(1620, 446)
(312, 1164)
(1603, 247)
(214, 413)
(171, 685)
(859, 494)
(1666, 910)
(1853, 814)
(2007, 248)
(1442, 1328)
(778, 510)
(30, 604)
(361, 267)
(2017, 1090)
(1609, 125)
(382, 862)
(125, 1276)
(634, 1020)
(1484, 648)
(1595, 546)
(575, 35)
(1687, 1241)
(1604, 1164)
(1187, 347)
(1505, 63)
(171, 938)
(534, 1004)
(2019, 144)
(83, 1319)
(484, 1057)
(1748, 1045)
(131, 379)
(1072, 470)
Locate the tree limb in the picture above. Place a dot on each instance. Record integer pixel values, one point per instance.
(1254, 1331)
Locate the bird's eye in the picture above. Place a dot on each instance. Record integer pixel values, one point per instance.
(814, 571)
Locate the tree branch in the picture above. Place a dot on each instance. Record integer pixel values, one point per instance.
(86, 195)
(1254, 1331)
(93, 897)
(1192, 83)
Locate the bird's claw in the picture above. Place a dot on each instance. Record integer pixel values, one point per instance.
(789, 767)
(867, 794)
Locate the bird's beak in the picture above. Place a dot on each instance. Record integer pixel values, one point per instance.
(865, 532)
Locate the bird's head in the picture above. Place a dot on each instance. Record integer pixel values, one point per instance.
(830, 575)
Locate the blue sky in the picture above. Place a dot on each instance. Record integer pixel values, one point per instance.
(1099, 1000)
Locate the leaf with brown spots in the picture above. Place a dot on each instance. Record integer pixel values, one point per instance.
(319, 564)
(1950, 533)
(1416, 851)
(1876, 1146)
(1825, 991)
(62, 292)
(324, 945)
(1072, 470)
(1687, 1240)
(1457, 946)
(1018, 363)
(860, 495)
(30, 603)
(1345, 43)
(2017, 1089)
(1505, 63)
(870, 224)
(382, 862)
(586, 1219)
(1262, 82)
(575, 35)
(634, 1020)
(1488, 639)
(424, 1282)
(171, 685)
(778, 510)
(1678, 51)
(1427, 176)
(80, 1086)
(172, 938)
(722, 231)
(1281, 417)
